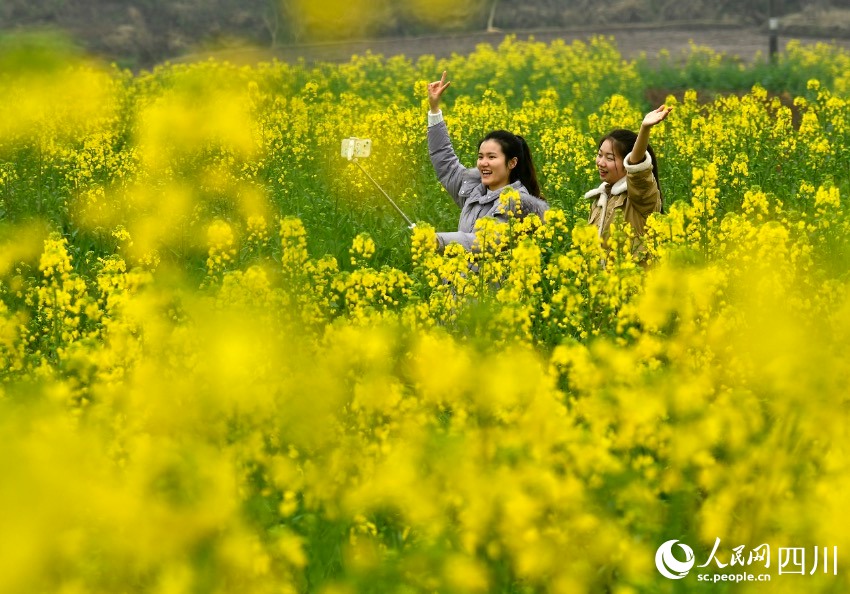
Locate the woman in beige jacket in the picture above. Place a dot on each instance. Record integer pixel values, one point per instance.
(629, 173)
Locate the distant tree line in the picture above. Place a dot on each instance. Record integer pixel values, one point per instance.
(148, 31)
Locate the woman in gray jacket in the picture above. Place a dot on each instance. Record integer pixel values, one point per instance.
(504, 160)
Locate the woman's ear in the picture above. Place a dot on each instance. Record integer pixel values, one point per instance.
(512, 163)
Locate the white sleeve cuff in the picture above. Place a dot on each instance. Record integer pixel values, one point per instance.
(634, 168)
(435, 118)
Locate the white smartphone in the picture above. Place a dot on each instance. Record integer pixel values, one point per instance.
(356, 147)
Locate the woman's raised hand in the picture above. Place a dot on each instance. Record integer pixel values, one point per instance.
(642, 141)
(656, 115)
(435, 91)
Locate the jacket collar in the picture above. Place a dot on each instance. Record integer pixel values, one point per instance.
(517, 185)
(618, 188)
(490, 195)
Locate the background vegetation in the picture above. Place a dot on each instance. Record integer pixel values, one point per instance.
(225, 366)
(144, 33)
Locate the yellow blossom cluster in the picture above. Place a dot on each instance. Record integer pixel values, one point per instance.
(225, 366)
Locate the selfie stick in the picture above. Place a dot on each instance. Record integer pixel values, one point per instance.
(351, 157)
(410, 223)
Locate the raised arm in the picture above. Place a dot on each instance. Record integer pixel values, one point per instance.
(453, 175)
(435, 91)
(653, 117)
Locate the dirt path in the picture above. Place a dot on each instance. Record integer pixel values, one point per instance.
(744, 42)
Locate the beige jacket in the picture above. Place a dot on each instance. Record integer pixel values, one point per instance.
(636, 195)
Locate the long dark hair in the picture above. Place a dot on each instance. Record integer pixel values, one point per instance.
(515, 146)
(623, 142)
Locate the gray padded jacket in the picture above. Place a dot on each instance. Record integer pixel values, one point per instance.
(469, 193)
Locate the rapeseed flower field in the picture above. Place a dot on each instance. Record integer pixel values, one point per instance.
(226, 366)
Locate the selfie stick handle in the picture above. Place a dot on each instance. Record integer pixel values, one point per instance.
(410, 224)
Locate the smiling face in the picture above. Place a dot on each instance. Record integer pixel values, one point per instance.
(494, 167)
(609, 163)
